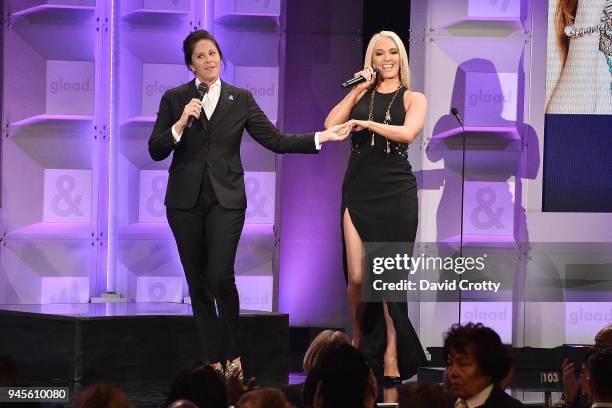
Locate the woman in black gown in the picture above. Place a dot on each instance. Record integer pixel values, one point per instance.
(379, 196)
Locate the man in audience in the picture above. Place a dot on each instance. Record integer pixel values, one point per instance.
(476, 362)
(599, 376)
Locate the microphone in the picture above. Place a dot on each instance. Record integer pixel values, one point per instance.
(356, 80)
(202, 89)
(455, 113)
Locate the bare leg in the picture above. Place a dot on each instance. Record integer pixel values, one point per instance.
(391, 367)
(354, 258)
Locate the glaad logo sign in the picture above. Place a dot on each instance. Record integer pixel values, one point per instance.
(476, 314)
(483, 97)
(503, 6)
(68, 86)
(260, 91)
(157, 88)
(605, 317)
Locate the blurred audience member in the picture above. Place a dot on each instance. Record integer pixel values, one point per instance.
(182, 403)
(9, 373)
(425, 395)
(345, 380)
(476, 363)
(264, 398)
(575, 395)
(599, 376)
(102, 396)
(201, 385)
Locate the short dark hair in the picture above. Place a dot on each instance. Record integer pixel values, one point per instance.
(199, 384)
(102, 395)
(492, 357)
(424, 395)
(344, 378)
(190, 41)
(599, 365)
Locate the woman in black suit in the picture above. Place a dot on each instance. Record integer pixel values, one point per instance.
(205, 199)
(477, 366)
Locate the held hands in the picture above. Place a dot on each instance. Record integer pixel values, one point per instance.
(569, 381)
(193, 108)
(342, 131)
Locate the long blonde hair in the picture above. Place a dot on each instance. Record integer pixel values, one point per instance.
(404, 71)
(326, 342)
(566, 13)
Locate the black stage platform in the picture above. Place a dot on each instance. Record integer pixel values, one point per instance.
(115, 342)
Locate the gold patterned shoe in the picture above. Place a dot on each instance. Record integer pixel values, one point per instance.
(233, 368)
(220, 372)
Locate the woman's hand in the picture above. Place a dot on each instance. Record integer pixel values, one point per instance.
(370, 77)
(569, 380)
(358, 125)
(335, 133)
(193, 108)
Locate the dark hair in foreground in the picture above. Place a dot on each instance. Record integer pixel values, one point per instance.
(9, 373)
(102, 396)
(492, 357)
(599, 365)
(201, 385)
(424, 395)
(344, 378)
(190, 41)
(263, 398)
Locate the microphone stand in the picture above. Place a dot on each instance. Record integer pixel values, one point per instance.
(455, 113)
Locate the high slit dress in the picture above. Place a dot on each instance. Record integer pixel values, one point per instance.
(379, 192)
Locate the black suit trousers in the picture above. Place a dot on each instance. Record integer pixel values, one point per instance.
(207, 239)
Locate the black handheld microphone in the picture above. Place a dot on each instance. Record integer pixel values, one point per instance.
(356, 80)
(202, 89)
(455, 113)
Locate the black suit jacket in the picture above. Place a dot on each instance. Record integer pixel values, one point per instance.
(499, 399)
(214, 145)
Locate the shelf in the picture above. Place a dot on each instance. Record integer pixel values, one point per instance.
(161, 230)
(46, 10)
(158, 17)
(53, 230)
(46, 118)
(139, 120)
(250, 21)
(498, 132)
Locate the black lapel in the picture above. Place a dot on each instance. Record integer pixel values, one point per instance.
(226, 100)
(190, 93)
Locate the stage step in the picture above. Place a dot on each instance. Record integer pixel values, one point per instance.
(126, 342)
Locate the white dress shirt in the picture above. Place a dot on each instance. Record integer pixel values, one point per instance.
(209, 102)
(478, 399)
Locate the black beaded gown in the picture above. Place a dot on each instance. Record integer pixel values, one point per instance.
(380, 193)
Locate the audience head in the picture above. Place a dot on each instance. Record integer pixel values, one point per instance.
(201, 385)
(322, 345)
(604, 337)
(182, 403)
(475, 358)
(9, 373)
(599, 378)
(424, 395)
(102, 396)
(346, 380)
(264, 398)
